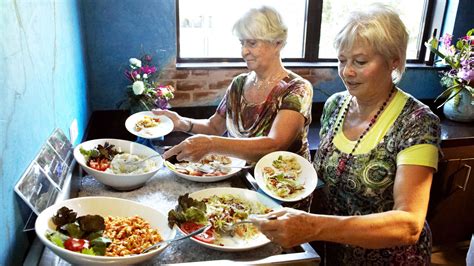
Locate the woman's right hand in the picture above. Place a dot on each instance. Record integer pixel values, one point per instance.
(179, 122)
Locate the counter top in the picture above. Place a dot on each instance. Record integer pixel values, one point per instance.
(161, 192)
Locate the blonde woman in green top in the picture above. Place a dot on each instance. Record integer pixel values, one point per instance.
(378, 152)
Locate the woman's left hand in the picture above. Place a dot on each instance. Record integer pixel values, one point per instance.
(192, 149)
(288, 230)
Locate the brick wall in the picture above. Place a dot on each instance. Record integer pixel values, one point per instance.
(196, 87)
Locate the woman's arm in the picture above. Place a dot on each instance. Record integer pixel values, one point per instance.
(287, 125)
(215, 125)
(400, 226)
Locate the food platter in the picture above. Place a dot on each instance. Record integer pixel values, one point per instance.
(232, 168)
(306, 177)
(154, 130)
(229, 243)
(107, 206)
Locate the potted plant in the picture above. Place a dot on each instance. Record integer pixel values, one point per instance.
(145, 93)
(458, 80)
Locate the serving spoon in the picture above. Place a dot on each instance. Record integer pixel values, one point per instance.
(211, 169)
(158, 244)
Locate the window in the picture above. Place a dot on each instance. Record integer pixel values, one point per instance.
(204, 27)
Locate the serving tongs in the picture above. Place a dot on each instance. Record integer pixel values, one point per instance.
(158, 244)
(229, 228)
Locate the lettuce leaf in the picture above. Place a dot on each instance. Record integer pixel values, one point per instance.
(188, 209)
(57, 238)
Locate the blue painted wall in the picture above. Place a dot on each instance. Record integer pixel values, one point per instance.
(43, 87)
(118, 30)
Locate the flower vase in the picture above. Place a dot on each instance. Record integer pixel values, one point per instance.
(137, 107)
(460, 108)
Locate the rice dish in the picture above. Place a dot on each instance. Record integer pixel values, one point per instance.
(121, 164)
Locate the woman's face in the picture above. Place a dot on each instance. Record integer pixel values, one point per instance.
(259, 55)
(363, 71)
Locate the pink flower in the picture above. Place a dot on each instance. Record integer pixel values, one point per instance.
(148, 69)
(131, 75)
(446, 40)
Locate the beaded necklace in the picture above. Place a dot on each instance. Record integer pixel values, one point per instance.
(343, 159)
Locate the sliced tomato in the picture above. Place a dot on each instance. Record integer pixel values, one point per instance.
(104, 164)
(74, 244)
(206, 237)
(100, 165)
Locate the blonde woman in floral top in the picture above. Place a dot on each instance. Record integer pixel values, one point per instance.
(267, 109)
(378, 152)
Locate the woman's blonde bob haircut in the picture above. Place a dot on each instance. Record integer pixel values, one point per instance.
(381, 28)
(264, 23)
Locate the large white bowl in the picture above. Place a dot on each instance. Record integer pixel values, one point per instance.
(103, 206)
(119, 181)
(308, 176)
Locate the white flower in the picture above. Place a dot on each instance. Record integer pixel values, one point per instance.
(137, 76)
(135, 62)
(145, 76)
(138, 87)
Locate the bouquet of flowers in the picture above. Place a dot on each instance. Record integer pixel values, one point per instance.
(459, 57)
(144, 93)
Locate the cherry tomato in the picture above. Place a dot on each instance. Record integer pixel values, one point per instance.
(206, 237)
(104, 164)
(100, 165)
(74, 244)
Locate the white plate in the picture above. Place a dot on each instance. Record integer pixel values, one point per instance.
(235, 162)
(308, 177)
(233, 244)
(103, 206)
(164, 127)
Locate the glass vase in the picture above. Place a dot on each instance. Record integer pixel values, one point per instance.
(460, 108)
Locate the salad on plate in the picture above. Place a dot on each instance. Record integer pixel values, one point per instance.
(222, 212)
(282, 176)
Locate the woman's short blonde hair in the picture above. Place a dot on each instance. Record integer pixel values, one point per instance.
(264, 23)
(380, 27)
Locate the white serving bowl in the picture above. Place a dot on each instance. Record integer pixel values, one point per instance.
(103, 206)
(119, 181)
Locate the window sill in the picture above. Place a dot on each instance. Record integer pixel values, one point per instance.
(225, 65)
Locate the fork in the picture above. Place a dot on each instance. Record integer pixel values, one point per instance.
(197, 232)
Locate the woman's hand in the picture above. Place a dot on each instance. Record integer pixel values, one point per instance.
(288, 230)
(192, 149)
(179, 122)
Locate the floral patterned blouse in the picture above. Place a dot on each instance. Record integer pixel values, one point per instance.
(366, 185)
(246, 120)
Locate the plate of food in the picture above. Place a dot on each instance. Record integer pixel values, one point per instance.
(285, 176)
(211, 168)
(222, 207)
(148, 125)
(90, 230)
